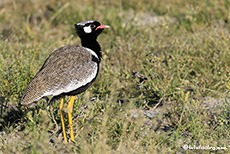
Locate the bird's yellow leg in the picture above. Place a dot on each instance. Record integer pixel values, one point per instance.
(70, 110)
(62, 118)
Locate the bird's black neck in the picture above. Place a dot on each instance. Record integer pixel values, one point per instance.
(93, 45)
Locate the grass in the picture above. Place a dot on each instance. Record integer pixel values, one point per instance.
(163, 81)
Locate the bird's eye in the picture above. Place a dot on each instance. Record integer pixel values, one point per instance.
(92, 26)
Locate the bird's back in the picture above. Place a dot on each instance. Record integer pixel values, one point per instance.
(66, 70)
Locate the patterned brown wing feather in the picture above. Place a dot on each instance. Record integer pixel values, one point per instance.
(66, 69)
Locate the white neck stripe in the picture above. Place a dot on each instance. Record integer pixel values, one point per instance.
(92, 52)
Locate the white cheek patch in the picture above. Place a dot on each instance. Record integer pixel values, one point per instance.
(87, 29)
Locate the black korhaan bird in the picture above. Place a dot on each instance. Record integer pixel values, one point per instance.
(69, 71)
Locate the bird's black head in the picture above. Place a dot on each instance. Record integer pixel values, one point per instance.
(89, 29)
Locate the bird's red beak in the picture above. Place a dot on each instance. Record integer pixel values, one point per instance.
(102, 27)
